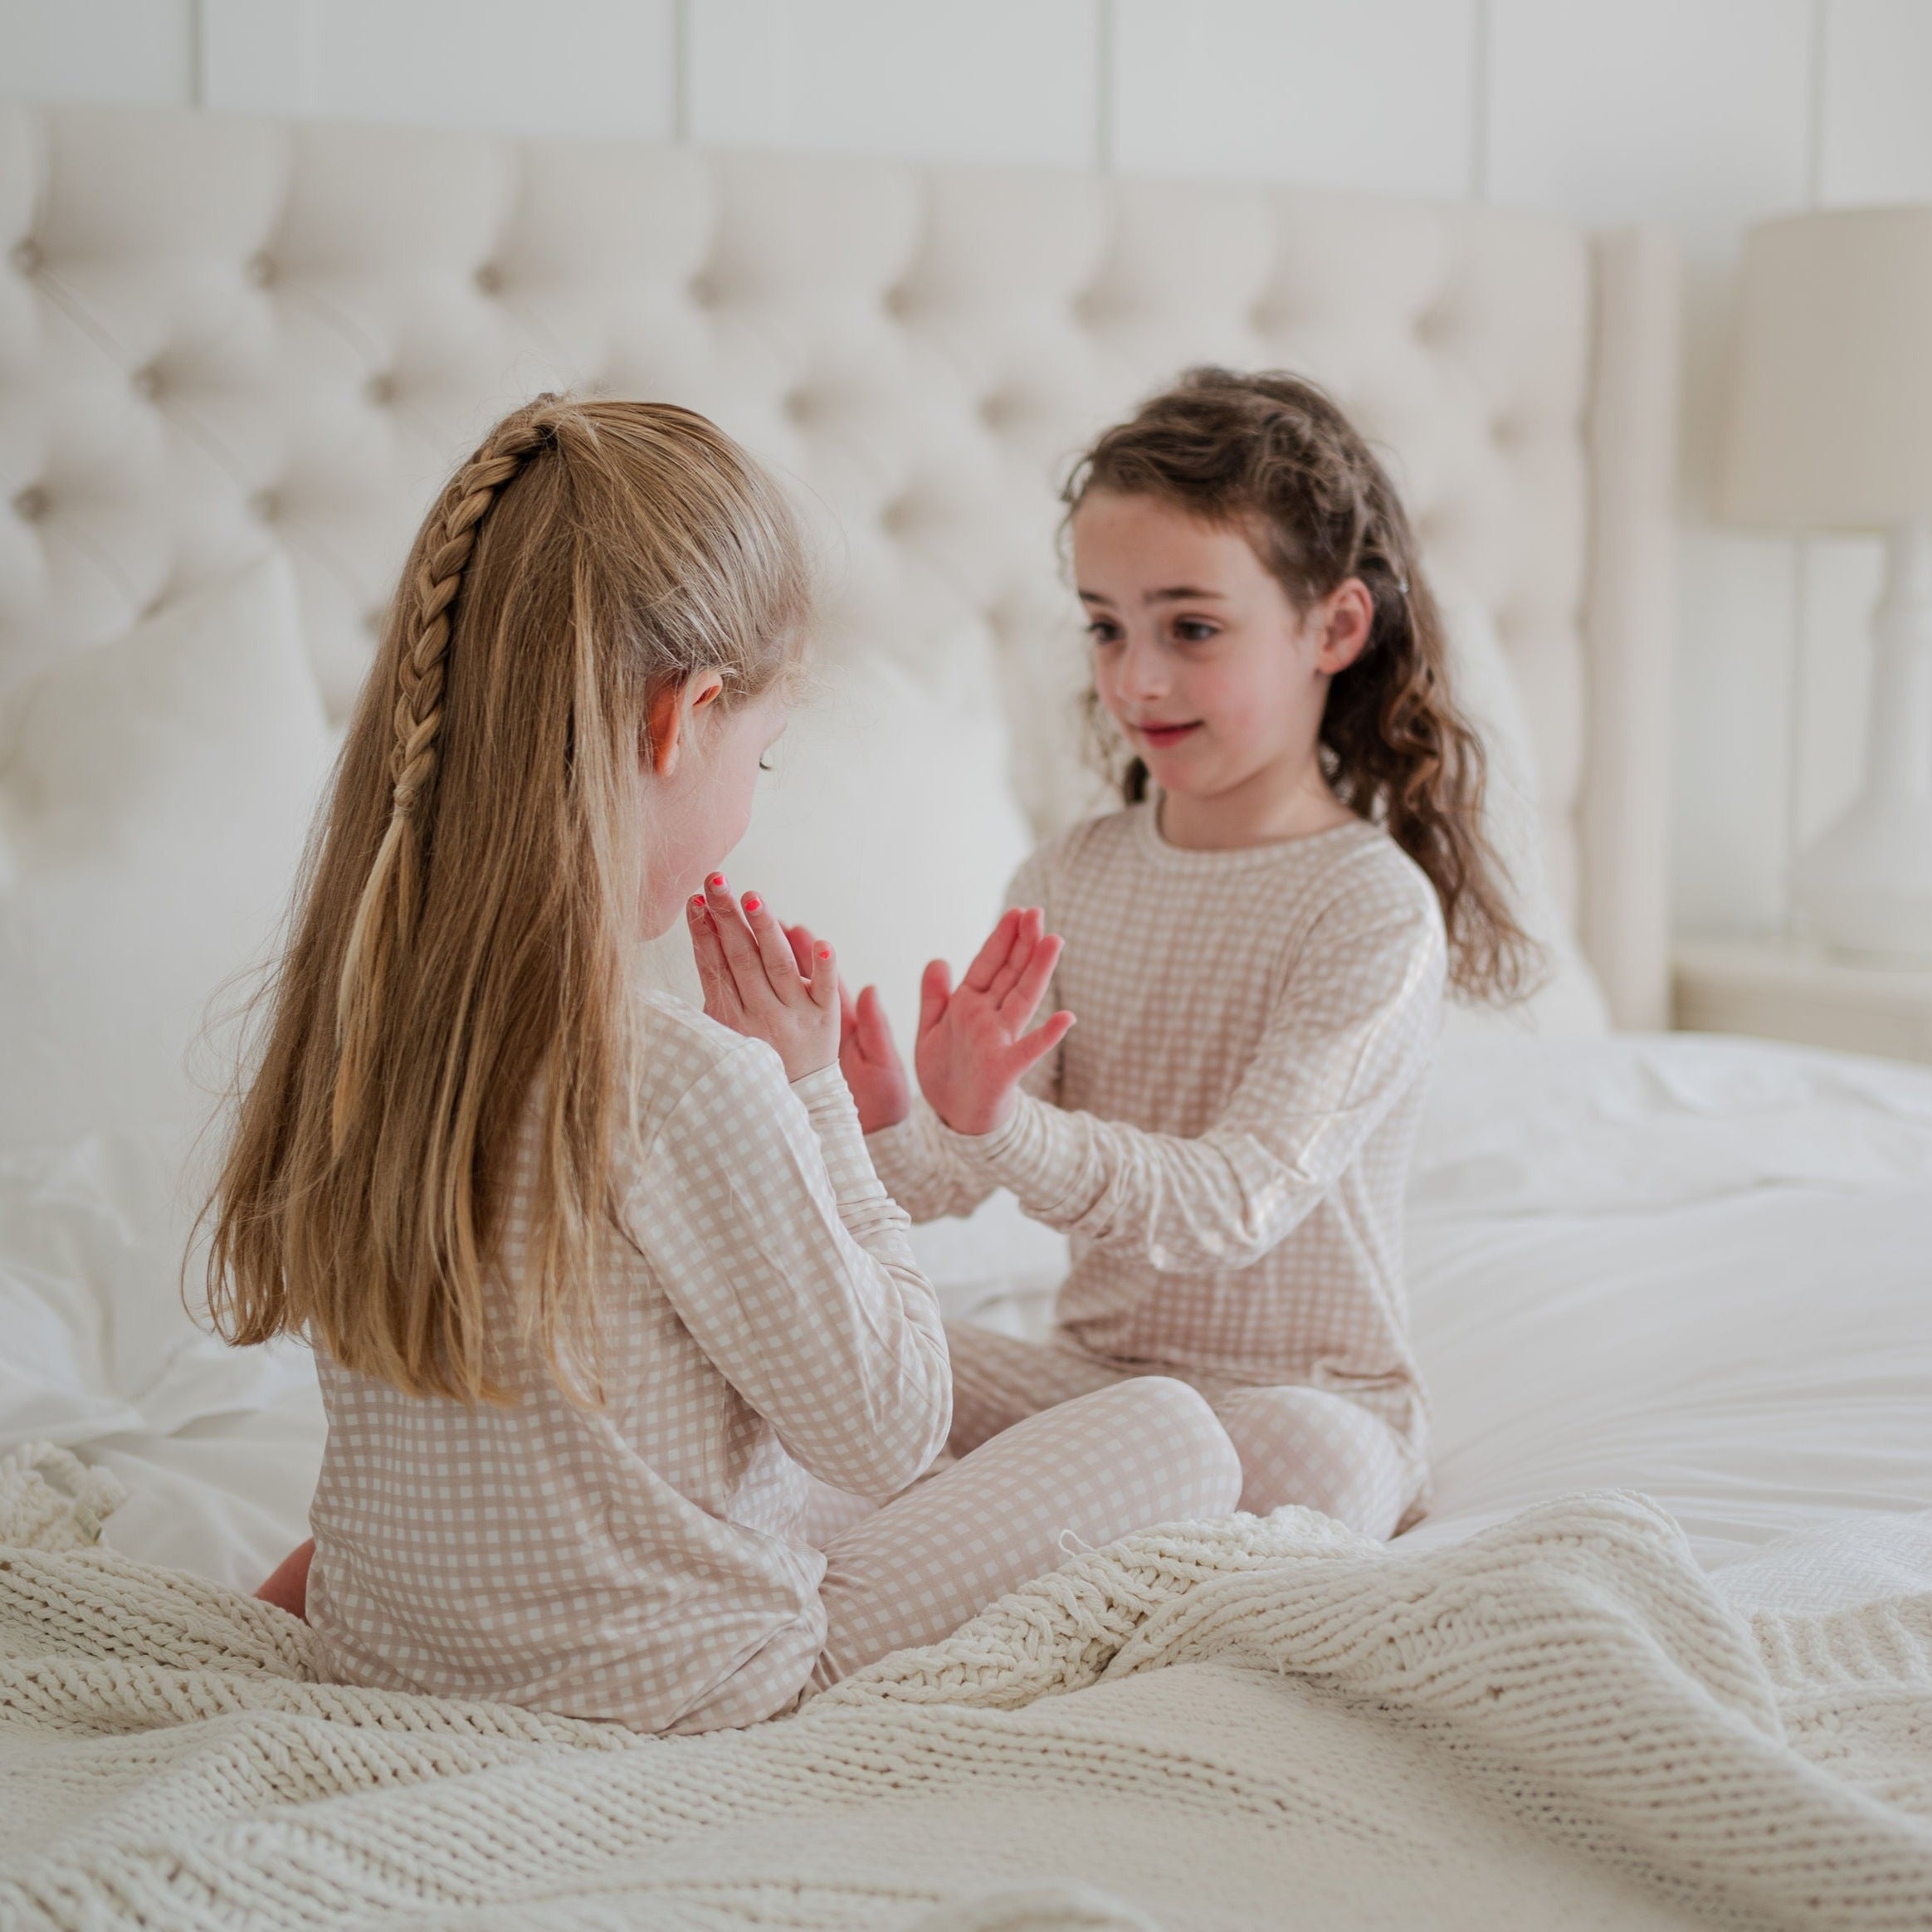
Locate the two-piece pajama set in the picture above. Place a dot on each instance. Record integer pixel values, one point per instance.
(1225, 1135)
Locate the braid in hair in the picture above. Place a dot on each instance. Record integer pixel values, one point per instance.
(385, 915)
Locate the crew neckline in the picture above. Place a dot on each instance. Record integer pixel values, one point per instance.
(1235, 858)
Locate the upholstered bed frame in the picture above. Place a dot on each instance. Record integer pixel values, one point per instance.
(218, 334)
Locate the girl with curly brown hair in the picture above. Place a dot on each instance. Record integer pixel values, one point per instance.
(1256, 947)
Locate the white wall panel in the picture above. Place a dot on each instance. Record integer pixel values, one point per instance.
(1876, 92)
(1693, 113)
(1011, 81)
(596, 67)
(256, 55)
(1376, 93)
(98, 50)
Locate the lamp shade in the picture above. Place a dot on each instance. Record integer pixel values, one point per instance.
(1831, 424)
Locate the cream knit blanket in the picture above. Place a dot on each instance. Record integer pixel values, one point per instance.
(1271, 1723)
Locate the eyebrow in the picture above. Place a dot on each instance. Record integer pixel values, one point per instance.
(1172, 593)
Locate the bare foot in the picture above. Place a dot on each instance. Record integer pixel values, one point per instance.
(288, 1588)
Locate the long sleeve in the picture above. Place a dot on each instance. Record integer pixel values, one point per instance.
(788, 1263)
(919, 1171)
(1349, 1035)
(914, 1158)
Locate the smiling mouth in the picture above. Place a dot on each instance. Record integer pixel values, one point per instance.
(1165, 734)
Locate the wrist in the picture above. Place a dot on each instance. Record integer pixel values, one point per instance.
(875, 1116)
(975, 1122)
(802, 1065)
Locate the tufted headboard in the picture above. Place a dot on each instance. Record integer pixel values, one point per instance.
(220, 333)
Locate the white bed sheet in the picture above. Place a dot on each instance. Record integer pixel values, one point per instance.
(1698, 1268)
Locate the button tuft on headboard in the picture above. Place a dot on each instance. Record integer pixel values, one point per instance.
(920, 350)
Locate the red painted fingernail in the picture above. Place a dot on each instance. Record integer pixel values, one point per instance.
(825, 951)
(697, 902)
(752, 902)
(715, 881)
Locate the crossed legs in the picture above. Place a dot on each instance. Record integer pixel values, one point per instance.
(1112, 1461)
(1296, 1444)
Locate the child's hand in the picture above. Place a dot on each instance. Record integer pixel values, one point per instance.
(759, 979)
(974, 1044)
(870, 1062)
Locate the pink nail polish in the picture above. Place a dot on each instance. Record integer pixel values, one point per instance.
(716, 882)
(825, 951)
(697, 902)
(752, 902)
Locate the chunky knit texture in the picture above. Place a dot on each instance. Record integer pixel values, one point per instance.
(1276, 1722)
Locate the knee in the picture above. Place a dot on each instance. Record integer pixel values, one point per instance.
(1303, 1446)
(1182, 1422)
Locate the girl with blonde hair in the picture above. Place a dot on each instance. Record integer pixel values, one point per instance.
(611, 1315)
(1255, 948)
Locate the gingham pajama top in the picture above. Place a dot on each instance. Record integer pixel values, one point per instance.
(645, 1563)
(1225, 1135)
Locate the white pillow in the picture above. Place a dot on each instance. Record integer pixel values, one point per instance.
(155, 793)
(1570, 1005)
(155, 796)
(888, 826)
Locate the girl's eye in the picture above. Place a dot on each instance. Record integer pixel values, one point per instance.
(1194, 631)
(1101, 631)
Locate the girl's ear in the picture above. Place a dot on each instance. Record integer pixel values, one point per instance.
(1347, 616)
(669, 716)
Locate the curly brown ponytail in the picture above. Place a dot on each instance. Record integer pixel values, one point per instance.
(1273, 455)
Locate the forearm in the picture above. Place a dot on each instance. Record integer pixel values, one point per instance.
(807, 1297)
(1219, 1200)
(870, 1210)
(920, 1172)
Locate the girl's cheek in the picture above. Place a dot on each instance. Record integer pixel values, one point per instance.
(1107, 685)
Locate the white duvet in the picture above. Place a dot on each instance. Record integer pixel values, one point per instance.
(1698, 1268)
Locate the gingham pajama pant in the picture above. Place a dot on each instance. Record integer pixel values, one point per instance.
(1296, 1444)
(1113, 1459)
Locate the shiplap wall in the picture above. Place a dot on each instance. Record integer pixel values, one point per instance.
(1701, 114)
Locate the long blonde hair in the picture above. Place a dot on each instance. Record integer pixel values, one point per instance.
(463, 945)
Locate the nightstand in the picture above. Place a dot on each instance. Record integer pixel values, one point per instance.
(1781, 989)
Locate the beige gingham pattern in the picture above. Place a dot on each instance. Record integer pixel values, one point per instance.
(1295, 1445)
(1081, 1475)
(1225, 1135)
(646, 1562)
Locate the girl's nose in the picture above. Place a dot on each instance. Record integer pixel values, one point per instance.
(1143, 673)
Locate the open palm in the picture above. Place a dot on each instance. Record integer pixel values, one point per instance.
(973, 1043)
